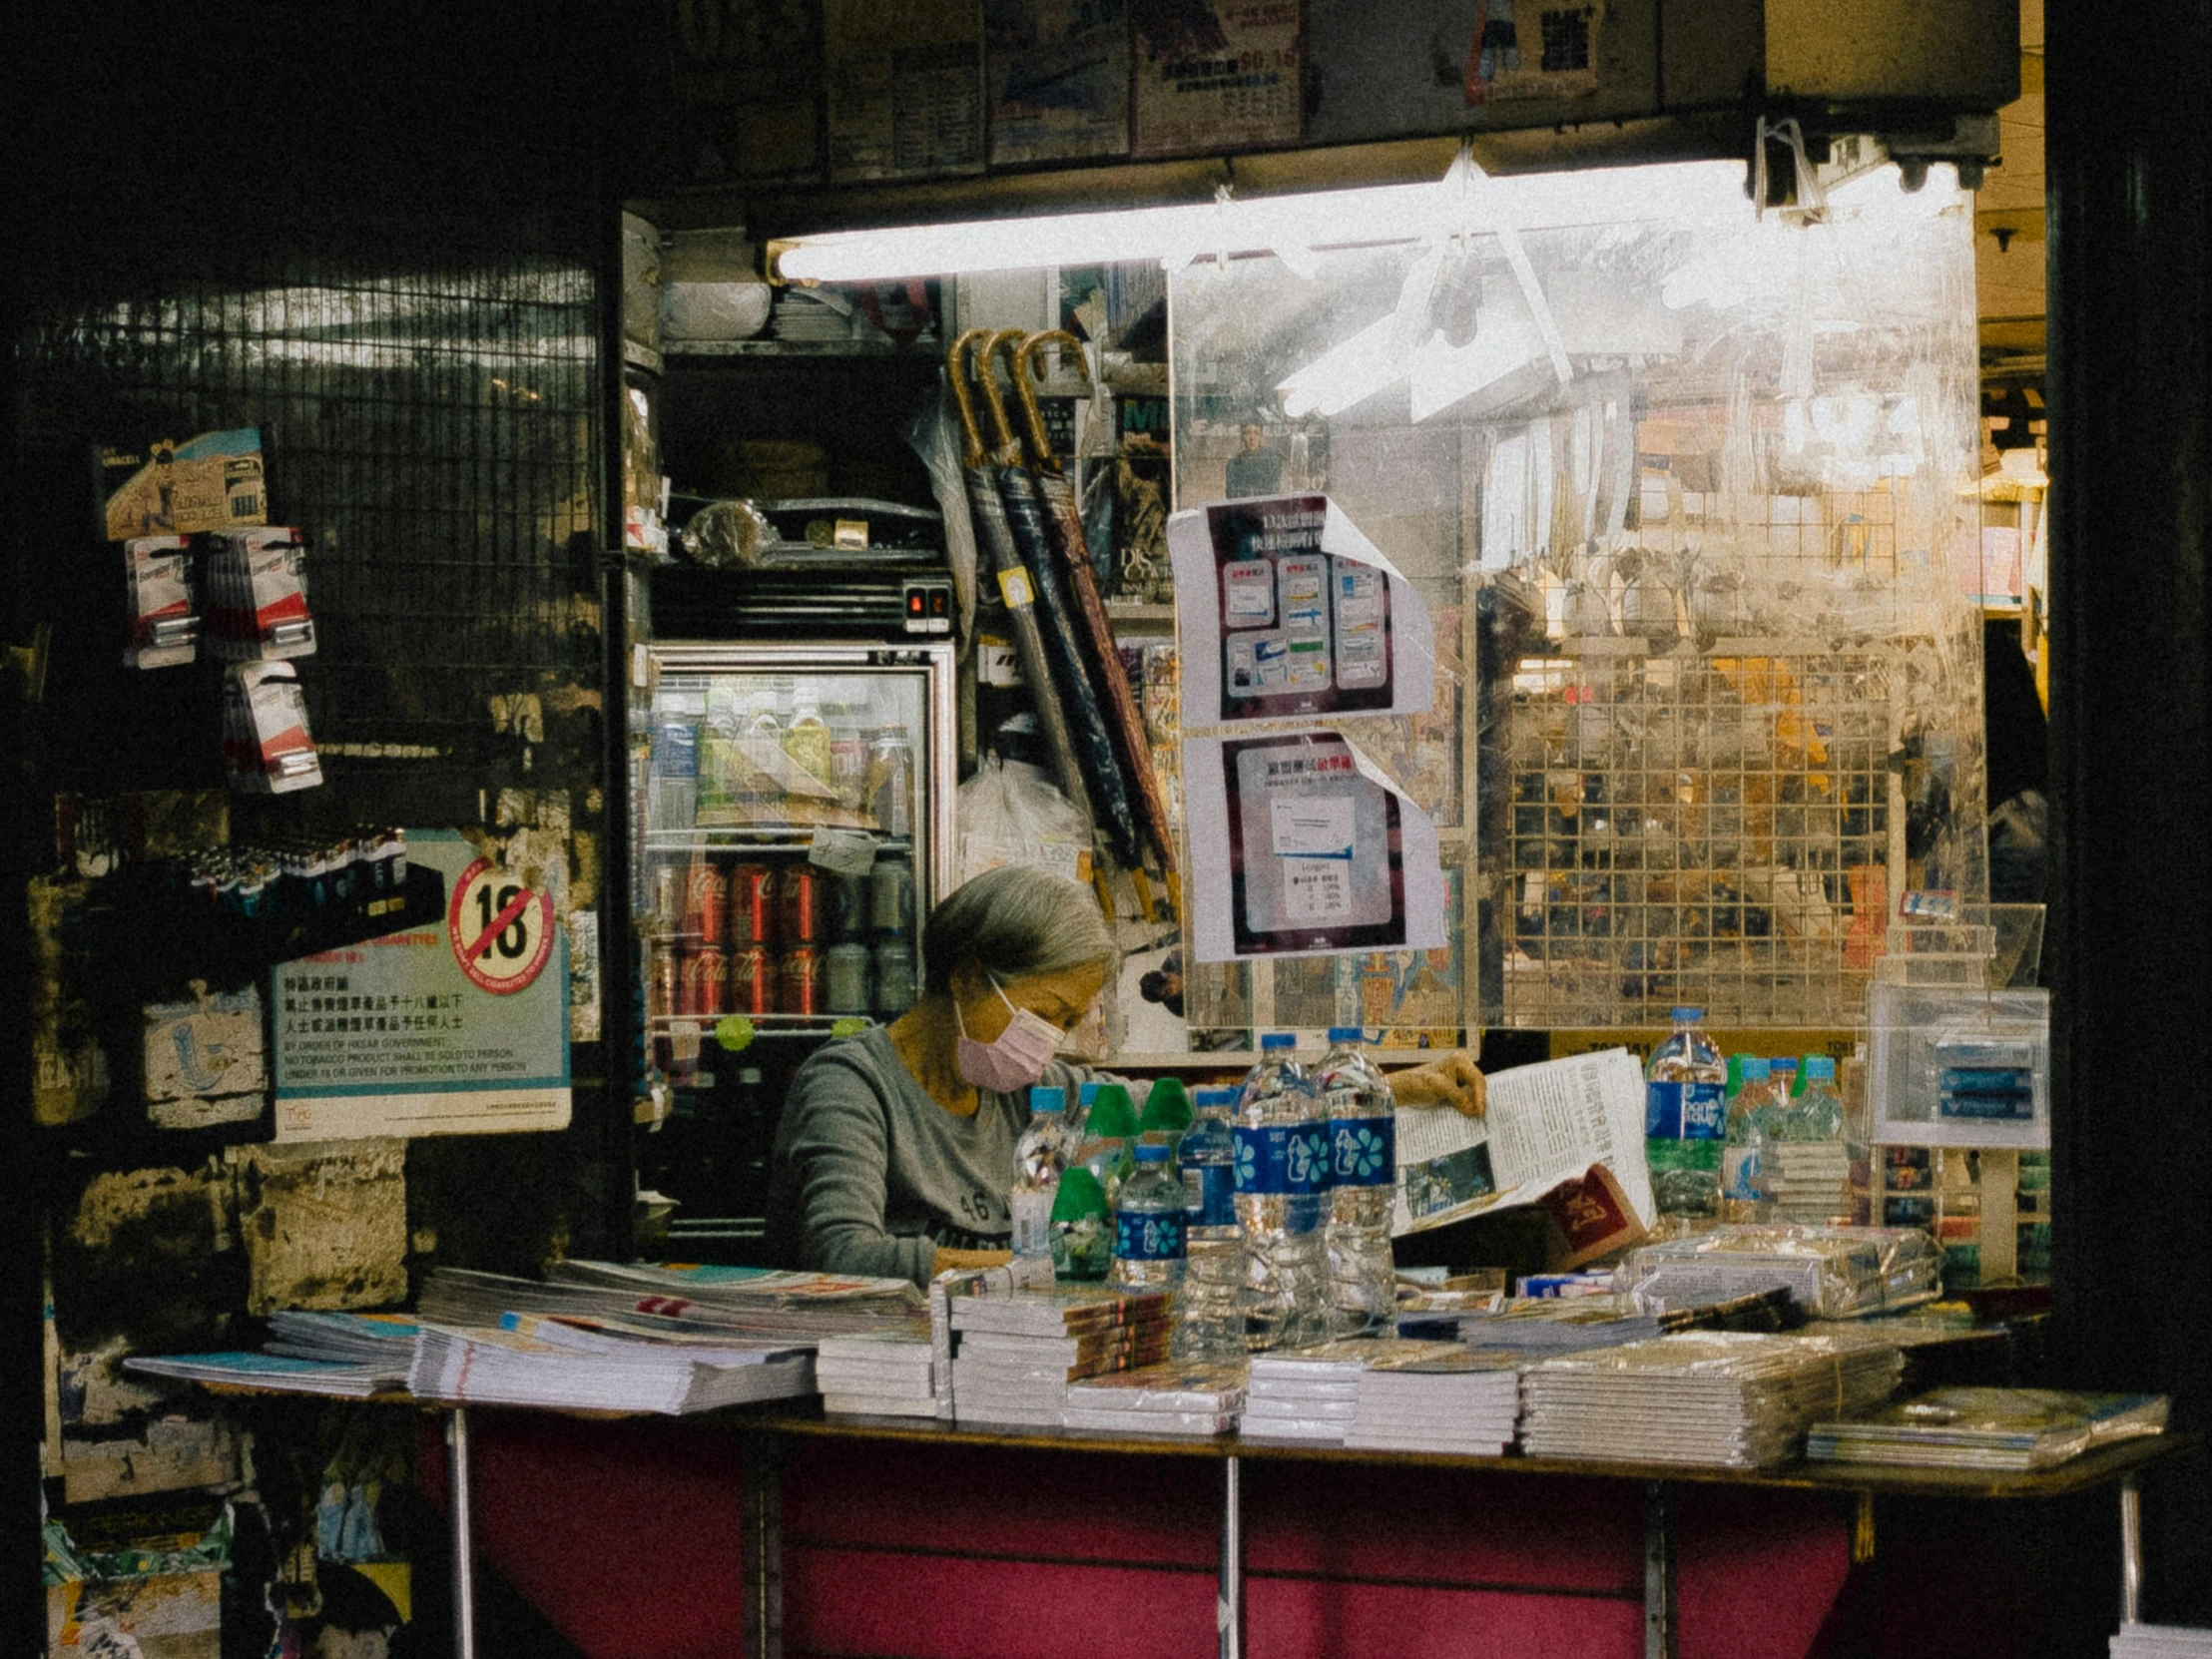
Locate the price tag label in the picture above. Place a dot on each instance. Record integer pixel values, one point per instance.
(842, 851)
(501, 931)
(1014, 587)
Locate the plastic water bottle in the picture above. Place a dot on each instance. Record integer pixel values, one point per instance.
(1817, 1113)
(1363, 1174)
(1211, 1329)
(1282, 1184)
(1685, 1117)
(1745, 1195)
(1109, 1129)
(1148, 1224)
(1039, 1157)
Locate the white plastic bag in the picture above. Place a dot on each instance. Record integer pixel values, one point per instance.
(1011, 812)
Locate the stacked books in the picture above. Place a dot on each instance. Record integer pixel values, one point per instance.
(877, 1376)
(1988, 1428)
(1829, 1272)
(1728, 1399)
(2161, 1641)
(1014, 1356)
(382, 1342)
(281, 1373)
(1159, 1399)
(1023, 1273)
(1442, 1397)
(529, 1360)
(1306, 1394)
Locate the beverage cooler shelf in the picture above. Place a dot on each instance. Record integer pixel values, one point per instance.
(763, 1025)
(760, 839)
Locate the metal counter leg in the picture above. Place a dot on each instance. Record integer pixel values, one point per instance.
(1659, 1640)
(465, 1543)
(2131, 1550)
(1228, 1598)
(762, 1471)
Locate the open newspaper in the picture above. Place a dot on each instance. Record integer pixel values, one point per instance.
(1566, 1134)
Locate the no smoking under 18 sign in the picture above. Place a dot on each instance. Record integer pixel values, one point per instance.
(501, 931)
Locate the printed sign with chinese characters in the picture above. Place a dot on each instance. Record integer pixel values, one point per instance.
(398, 1037)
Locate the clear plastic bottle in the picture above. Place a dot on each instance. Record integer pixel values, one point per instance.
(1039, 1157)
(1811, 1172)
(1685, 1117)
(1282, 1185)
(1745, 1195)
(1210, 1328)
(1363, 1174)
(1148, 1224)
(1109, 1128)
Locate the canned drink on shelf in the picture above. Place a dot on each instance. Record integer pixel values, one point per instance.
(706, 902)
(752, 980)
(667, 901)
(895, 977)
(843, 907)
(663, 996)
(799, 890)
(705, 991)
(891, 886)
(751, 904)
(801, 978)
(845, 979)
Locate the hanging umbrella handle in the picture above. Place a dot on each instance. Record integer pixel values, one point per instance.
(1025, 364)
(964, 402)
(986, 377)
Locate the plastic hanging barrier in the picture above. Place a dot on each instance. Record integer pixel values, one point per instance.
(1322, 851)
(1286, 611)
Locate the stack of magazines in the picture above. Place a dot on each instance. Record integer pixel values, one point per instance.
(1014, 1356)
(2161, 1641)
(1830, 1272)
(1306, 1394)
(878, 1375)
(756, 1303)
(1159, 1399)
(532, 1360)
(1729, 1399)
(1437, 1398)
(281, 1373)
(1988, 1428)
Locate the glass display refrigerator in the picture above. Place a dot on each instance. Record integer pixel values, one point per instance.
(791, 826)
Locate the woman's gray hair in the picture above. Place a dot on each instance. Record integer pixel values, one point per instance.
(1016, 922)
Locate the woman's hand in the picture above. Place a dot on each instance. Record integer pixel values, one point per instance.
(1454, 1081)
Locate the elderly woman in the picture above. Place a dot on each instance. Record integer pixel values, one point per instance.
(897, 1147)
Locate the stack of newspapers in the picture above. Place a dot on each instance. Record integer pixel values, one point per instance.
(1159, 1399)
(1014, 1356)
(878, 1375)
(1729, 1399)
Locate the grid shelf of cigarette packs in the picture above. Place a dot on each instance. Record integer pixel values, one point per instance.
(1719, 1399)
(1830, 1272)
(1159, 1399)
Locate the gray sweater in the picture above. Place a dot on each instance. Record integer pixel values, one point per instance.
(871, 1175)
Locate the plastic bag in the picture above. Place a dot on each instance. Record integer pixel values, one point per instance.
(935, 437)
(1010, 813)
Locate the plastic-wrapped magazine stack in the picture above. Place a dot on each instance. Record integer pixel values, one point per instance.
(1014, 1356)
(1159, 1399)
(1727, 1399)
(756, 1303)
(535, 1359)
(880, 1375)
(1830, 1272)
(1988, 1428)
(1557, 1326)
(2161, 1641)
(1306, 1394)
(1437, 1396)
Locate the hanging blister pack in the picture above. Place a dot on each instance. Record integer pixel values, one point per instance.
(257, 595)
(267, 749)
(164, 623)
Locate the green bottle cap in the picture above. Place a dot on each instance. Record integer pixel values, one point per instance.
(1080, 1195)
(1167, 1108)
(1112, 1115)
(1736, 1073)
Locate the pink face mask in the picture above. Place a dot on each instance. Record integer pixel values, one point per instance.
(1016, 1058)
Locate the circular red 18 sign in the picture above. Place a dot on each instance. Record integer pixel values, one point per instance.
(501, 931)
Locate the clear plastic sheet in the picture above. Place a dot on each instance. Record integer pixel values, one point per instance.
(1830, 1272)
(1688, 484)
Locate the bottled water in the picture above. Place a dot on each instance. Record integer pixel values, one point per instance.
(1109, 1130)
(1810, 1178)
(1685, 1117)
(1148, 1224)
(1211, 1329)
(1039, 1157)
(1745, 1195)
(1282, 1185)
(1082, 1238)
(1363, 1173)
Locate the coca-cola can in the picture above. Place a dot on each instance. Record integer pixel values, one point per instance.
(668, 893)
(799, 890)
(751, 904)
(663, 996)
(706, 902)
(752, 980)
(706, 983)
(801, 981)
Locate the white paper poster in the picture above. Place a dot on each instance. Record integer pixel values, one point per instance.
(1321, 852)
(1286, 611)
